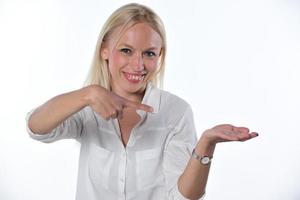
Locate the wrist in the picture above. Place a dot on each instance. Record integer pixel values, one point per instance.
(205, 147)
(86, 95)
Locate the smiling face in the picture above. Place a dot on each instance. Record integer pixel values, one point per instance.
(133, 60)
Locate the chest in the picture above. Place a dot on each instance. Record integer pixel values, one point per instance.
(127, 122)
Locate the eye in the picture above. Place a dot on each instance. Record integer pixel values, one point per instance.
(125, 51)
(150, 54)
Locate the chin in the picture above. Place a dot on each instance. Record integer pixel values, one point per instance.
(136, 88)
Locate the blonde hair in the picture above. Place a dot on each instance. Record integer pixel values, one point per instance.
(125, 17)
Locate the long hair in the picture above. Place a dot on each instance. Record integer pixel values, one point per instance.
(122, 19)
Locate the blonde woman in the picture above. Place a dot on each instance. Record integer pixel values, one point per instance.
(133, 145)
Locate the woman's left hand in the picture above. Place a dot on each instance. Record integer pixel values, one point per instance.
(227, 133)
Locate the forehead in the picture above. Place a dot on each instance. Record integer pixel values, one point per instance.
(140, 35)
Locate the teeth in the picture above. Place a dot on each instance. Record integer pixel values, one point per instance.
(134, 77)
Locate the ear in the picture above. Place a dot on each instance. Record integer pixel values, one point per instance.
(104, 53)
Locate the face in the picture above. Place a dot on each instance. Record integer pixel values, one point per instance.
(133, 60)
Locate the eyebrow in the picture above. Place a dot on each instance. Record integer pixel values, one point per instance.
(127, 45)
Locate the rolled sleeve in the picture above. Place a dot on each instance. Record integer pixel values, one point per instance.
(178, 196)
(178, 152)
(71, 128)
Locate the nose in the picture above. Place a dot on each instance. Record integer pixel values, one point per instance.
(137, 62)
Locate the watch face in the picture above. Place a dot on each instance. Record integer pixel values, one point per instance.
(205, 160)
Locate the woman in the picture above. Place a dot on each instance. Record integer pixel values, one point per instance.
(133, 144)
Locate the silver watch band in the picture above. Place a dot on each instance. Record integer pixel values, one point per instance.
(205, 160)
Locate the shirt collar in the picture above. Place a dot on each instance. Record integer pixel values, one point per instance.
(152, 97)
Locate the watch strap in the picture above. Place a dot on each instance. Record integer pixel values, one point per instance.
(201, 158)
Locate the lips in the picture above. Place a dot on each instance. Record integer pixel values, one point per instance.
(134, 77)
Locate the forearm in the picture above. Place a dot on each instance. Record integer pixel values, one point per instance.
(193, 181)
(49, 115)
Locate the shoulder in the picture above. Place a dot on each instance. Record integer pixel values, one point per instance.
(173, 105)
(170, 99)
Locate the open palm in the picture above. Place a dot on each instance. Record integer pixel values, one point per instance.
(227, 133)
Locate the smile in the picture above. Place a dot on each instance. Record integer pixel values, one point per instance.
(134, 78)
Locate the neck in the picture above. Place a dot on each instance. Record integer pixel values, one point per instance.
(136, 96)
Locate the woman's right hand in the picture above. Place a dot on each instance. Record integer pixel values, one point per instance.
(110, 105)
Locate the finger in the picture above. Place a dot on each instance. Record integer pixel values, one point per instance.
(138, 106)
(241, 129)
(114, 114)
(230, 136)
(118, 110)
(243, 138)
(249, 136)
(112, 111)
(253, 134)
(236, 135)
(106, 112)
(228, 127)
(120, 114)
(145, 108)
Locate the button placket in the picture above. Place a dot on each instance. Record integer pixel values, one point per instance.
(122, 171)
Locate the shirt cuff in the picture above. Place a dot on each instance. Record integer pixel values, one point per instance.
(36, 136)
(179, 196)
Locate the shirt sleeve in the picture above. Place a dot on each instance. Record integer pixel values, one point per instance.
(71, 128)
(178, 152)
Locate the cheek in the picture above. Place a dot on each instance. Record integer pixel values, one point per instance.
(151, 65)
(116, 61)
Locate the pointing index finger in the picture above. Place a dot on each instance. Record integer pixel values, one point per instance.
(138, 106)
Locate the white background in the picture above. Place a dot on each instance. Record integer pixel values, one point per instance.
(233, 61)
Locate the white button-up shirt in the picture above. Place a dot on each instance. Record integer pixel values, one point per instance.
(148, 168)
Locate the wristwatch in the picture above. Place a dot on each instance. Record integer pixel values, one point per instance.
(204, 160)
